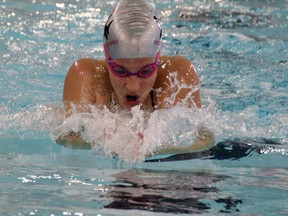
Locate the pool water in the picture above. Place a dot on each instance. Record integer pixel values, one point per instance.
(240, 50)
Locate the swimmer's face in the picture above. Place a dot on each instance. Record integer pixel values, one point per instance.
(132, 90)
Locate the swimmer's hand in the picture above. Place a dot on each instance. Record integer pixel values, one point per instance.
(205, 140)
(73, 140)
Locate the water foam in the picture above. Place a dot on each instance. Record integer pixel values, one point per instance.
(133, 135)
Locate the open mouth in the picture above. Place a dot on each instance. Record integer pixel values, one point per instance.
(132, 98)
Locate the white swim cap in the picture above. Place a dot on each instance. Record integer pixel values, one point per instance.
(132, 31)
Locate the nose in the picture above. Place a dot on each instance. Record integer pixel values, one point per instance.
(132, 83)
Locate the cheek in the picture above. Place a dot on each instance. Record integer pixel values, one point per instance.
(115, 81)
(151, 81)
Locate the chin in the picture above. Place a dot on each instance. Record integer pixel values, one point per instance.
(131, 104)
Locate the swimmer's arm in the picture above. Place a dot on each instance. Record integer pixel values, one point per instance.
(204, 141)
(84, 80)
(73, 140)
(74, 85)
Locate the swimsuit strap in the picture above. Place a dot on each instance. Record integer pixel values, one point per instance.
(152, 99)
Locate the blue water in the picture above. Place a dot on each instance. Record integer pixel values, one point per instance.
(240, 50)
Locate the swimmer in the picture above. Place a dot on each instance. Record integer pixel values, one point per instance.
(133, 73)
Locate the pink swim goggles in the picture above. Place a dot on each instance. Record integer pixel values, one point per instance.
(144, 72)
(120, 71)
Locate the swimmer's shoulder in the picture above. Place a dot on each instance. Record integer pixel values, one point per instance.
(88, 66)
(183, 66)
(87, 81)
(172, 72)
(174, 62)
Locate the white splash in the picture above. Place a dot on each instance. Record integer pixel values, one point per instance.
(132, 135)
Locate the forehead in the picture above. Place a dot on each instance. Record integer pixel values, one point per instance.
(133, 61)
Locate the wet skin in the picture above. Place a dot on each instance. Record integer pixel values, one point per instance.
(90, 82)
(132, 90)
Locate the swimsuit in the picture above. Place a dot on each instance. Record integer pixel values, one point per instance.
(152, 100)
